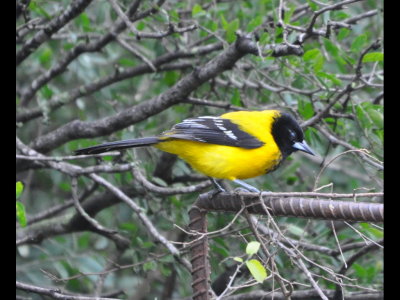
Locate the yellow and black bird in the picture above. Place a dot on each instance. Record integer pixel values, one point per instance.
(236, 145)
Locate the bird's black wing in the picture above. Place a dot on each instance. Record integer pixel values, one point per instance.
(213, 130)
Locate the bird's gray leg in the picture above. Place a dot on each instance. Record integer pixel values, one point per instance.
(247, 186)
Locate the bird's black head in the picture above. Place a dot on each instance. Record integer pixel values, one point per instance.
(289, 136)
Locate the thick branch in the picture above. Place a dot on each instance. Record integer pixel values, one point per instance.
(302, 295)
(179, 92)
(199, 250)
(293, 206)
(43, 35)
(54, 293)
(162, 63)
(97, 45)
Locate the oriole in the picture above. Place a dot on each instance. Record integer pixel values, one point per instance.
(236, 145)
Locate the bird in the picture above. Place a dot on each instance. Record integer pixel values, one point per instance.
(236, 145)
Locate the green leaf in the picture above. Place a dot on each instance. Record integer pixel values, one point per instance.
(128, 226)
(278, 35)
(315, 58)
(252, 248)
(257, 270)
(343, 33)
(166, 259)
(347, 59)
(65, 186)
(165, 271)
(140, 26)
(296, 230)
(174, 14)
(358, 43)
(231, 29)
(197, 9)
(126, 62)
(331, 77)
(147, 244)
(369, 115)
(318, 63)
(224, 22)
(45, 57)
(84, 21)
(68, 46)
(376, 117)
(331, 47)
(220, 250)
(289, 13)
(211, 25)
(291, 180)
(312, 5)
(171, 77)
(175, 201)
(84, 240)
(21, 215)
(19, 189)
(340, 15)
(150, 265)
(305, 109)
(236, 100)
(255, 22)
(46, 92)
(360, 270)
(238, 259)
(311, 54)
(264, 38)
(373, 57)
(375, 232)
(33, 6)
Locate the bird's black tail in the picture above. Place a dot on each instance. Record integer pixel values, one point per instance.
(118, 145)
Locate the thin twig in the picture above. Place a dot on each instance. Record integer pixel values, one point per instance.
(143, 217)
(167, 190)
(271, 261)
(84, 214)
(55, 293)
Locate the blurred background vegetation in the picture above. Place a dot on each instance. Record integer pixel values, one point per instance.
(335, 88)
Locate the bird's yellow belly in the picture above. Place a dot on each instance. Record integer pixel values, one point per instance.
(225, 162)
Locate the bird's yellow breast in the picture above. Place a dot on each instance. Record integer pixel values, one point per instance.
(227, 162)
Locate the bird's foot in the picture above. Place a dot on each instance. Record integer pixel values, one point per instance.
(247, 187)
(218, 188)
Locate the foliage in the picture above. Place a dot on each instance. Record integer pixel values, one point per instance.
(78, 73)
(21, 214)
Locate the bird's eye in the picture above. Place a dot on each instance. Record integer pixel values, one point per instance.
(292, 135)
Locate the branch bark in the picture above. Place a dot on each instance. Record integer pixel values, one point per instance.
(178, 93)
(293, 206)
(74, 9)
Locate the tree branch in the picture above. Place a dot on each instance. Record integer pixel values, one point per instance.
(55, 293)
(74, 9)
(179, 92)
(293, 206)
(97, 45)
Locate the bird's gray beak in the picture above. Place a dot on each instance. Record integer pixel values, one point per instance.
(303, 147)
